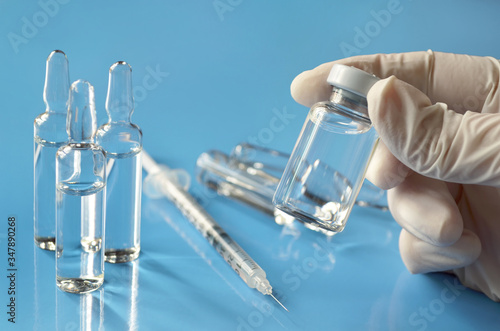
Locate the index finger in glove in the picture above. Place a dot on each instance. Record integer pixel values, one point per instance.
(434, 140)
(462, 81)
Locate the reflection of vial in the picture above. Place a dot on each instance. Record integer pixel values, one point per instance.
(80, 204)
(327, 167)
(49, 135)
(122, 143)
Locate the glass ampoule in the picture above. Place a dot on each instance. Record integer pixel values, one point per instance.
(80, 198)
(122, 143)
(228, 178)
(49, 135)
(327, 167)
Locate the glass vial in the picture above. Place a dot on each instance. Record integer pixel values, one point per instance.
(267, 163)
(49, 135)
(327, 167)
(122, 143)
(80, 203)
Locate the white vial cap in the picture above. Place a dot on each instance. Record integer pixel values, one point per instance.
(351, 79)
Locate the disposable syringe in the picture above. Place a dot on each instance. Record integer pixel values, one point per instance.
(251, 273)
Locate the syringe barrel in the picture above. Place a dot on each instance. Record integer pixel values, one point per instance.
(235, 256)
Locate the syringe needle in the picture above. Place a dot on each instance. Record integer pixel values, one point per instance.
(278, 301)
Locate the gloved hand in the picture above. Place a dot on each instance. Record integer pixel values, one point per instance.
(441, 166)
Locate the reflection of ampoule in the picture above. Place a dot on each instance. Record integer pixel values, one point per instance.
(49, 135)
(122, 142)
(43, 293)
(83, 312)
(80, 204)
(122, 279)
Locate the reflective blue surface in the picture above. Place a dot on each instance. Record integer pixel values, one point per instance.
(210, 76)
(352, 281)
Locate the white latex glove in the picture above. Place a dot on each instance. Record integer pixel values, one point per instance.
(441, 166)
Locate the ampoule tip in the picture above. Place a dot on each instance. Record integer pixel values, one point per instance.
(120, 98)
(120, 66)
(56, 88)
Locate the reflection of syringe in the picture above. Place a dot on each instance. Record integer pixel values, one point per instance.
(251, 273)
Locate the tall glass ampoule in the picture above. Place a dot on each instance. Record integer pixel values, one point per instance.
(80, 198)
(122, 143)
(49, 135)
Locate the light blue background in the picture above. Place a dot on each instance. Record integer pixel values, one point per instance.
(223, 77)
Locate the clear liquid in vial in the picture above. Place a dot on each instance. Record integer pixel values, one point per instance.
(320, 184)
(79, 254)
(45, 196)
(123, 208)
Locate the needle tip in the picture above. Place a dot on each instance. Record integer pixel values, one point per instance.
(278, 302)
